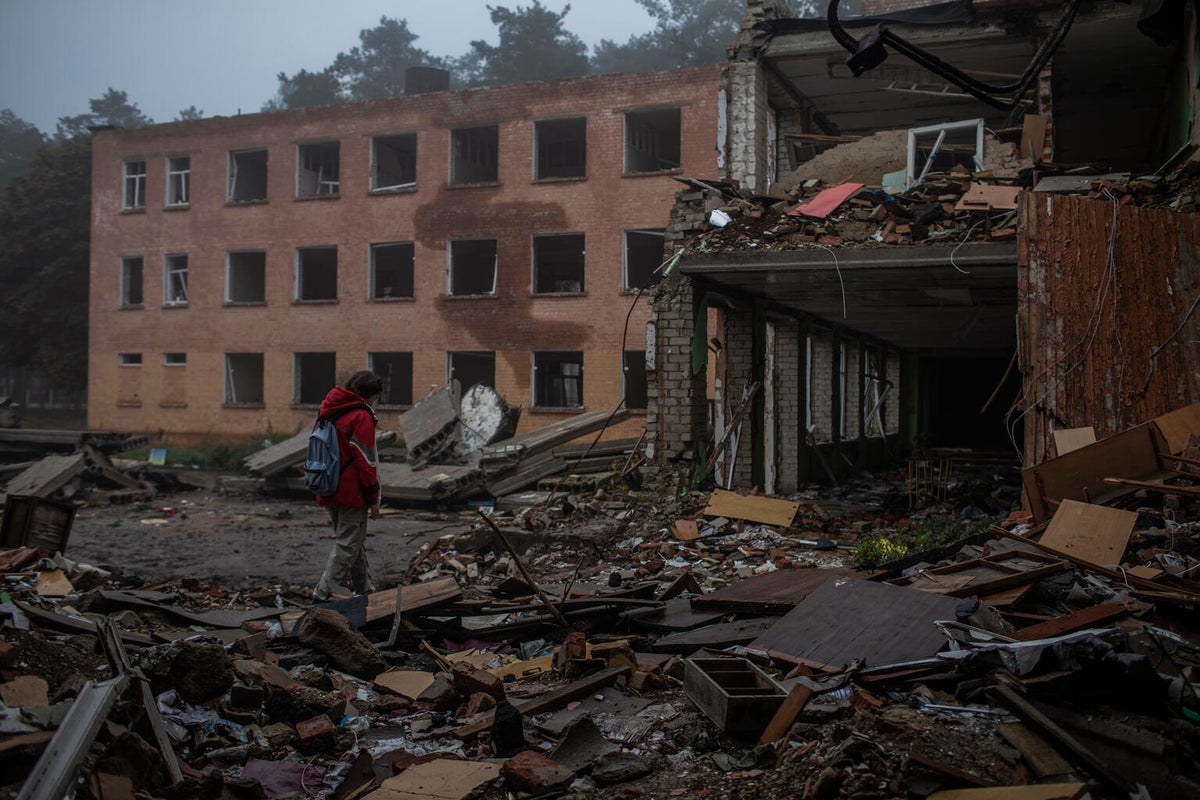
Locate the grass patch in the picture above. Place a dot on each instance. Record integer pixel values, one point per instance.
(925, 533)
(217, 454)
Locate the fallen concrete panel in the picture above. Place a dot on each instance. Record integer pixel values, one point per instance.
(47, 476)
(288, 454)
(435, 483)
(430, 427)
(847, 619)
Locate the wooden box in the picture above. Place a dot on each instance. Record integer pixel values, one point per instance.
(736, 695)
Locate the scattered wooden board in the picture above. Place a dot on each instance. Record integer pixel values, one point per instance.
(1095, 534)
(1069, 439)
(1178, 426)
(767, 510)
(1040, 791)
(382, 604)
(46, 476)
(847, 619)
(1041, 757)
(405, 682)
(1076, 621)
(781, 723)
(440, 779)
(775, 592)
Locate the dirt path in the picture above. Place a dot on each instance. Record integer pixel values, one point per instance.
(240, 540)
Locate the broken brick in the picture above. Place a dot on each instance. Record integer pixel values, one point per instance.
(532, 772)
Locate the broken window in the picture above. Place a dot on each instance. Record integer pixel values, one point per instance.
(471, 367)
(843, 404)
(391, 270)
(316, 273)
(558, 264)
(393, 162)
(874, 394)
(179, 171)
(652, 140)
(129, 359)
(473, 266)
(175, 280)
(174, 359)
(395, 370)
(246, 277)
(243, 379)
(313, 375)
(131, 281)
(133, 188)
(561, 148)
(558, 379)
(317, 169)
(643, 255)
(940, 148)
(247, 176)
(636, 398)
(474, 155)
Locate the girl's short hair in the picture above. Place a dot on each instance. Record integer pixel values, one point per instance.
(365, 384)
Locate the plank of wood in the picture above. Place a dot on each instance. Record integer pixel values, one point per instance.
(767, 510)
(551, 701)
(1144, 572)
(1037, 791)
(1178, 426)
(1075, 621)
(1157, 486)
(382, 604)
(848, 619)
(771, 593)
(1070, 439)
(439, 779)
(949, 770)
(782, 722)
(1041, 757)
(1096, 534)
(717, 636)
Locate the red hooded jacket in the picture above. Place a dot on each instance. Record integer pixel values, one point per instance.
(358, 486)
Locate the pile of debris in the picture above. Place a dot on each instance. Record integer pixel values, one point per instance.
(676, 646)
(958, 206)
(454, 450)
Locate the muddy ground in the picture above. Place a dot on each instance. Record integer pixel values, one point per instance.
(240, 540)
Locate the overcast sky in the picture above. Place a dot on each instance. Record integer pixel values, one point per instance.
(223, 55)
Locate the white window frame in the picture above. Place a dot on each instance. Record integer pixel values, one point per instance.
(136, 181)
(659, 232)
(533, 382)
(371, 251)
(912, 175)
(325, 187)
(129, 359)
(179, 361)
(297, 274)
(229, 278)
(184, 177)
(170, 273)
(450, 267)
(533, 263)
(374, 176)
(231, 174)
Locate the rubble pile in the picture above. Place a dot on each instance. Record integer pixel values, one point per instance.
(952, 207)
(661, 645)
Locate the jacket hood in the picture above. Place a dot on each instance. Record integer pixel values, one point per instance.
(340, 398)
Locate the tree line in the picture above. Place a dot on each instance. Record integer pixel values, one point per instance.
(45, 180)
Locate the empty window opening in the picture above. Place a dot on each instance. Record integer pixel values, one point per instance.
(396, 372)
(391, 270)
(652, 140)
(473, 266)
(179, 171)
(874, 394)
(247, 176)
(561, 148)
(175, 280)
(940, 148)
(131, 281)
(843, 404)
(643, 255)
(317, 169)
(558, 264)
(133, 189)
(474, 155)
(558, 379)
(471, 367)
(316, 273)
(129, 359)
(243, 379)
(313, 375)
(636, 397)
(246, 277)
(174, 359)
(393, 162)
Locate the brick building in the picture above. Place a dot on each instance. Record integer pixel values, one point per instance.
(859, 352)
(239, 266)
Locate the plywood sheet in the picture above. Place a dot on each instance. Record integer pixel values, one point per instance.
(983, 197)
(767, 510)
(773, 592)
(1069, 439)
(1178, 426)
(1095, 534)
(847, 619)
(442, 779)
(1033, 135)
(405, 682)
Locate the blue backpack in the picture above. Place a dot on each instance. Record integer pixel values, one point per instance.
(323, 462)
